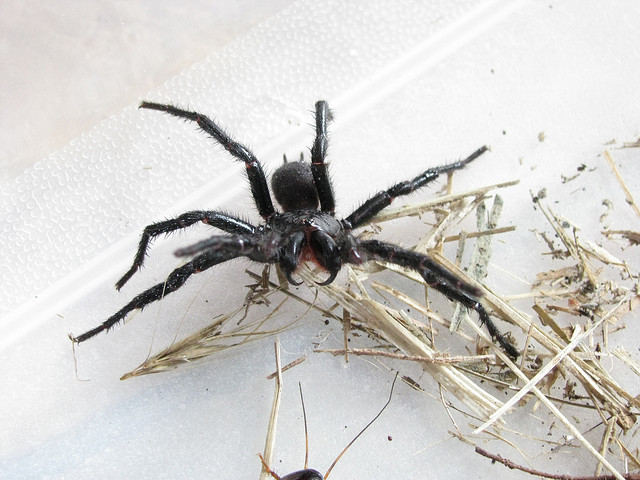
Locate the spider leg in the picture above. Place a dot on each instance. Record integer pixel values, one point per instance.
(439, 278)
(375, 204)
(257, 179)
(219, 220)
(226, 248)
(321, 178)
(421, 263)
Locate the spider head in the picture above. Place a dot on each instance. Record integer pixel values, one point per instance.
(293, 187)
(308, 474)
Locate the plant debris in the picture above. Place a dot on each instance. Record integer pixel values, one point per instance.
(566, 339)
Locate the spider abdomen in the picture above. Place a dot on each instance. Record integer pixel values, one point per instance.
(293, 187)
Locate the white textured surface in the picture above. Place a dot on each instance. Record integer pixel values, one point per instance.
(68, 65)
(411, 86)
(67, 209)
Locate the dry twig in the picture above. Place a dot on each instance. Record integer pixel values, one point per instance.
(554, 476)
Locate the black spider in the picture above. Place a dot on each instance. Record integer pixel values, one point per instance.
(302, 232)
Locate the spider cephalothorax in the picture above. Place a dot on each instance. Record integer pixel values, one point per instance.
(306, 230)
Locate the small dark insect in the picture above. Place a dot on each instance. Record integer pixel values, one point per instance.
(309, 473)
(306, 230)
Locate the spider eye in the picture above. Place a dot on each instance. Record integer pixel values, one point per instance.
(293, 187)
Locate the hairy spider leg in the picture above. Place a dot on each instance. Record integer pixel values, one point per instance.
(219, 220)
(473, 304)
(417, 261)
(381, 200)
(226, 248)
(439, 278)
(257, 178)
(318, 153)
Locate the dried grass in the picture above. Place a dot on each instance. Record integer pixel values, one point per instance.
(561, 365)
